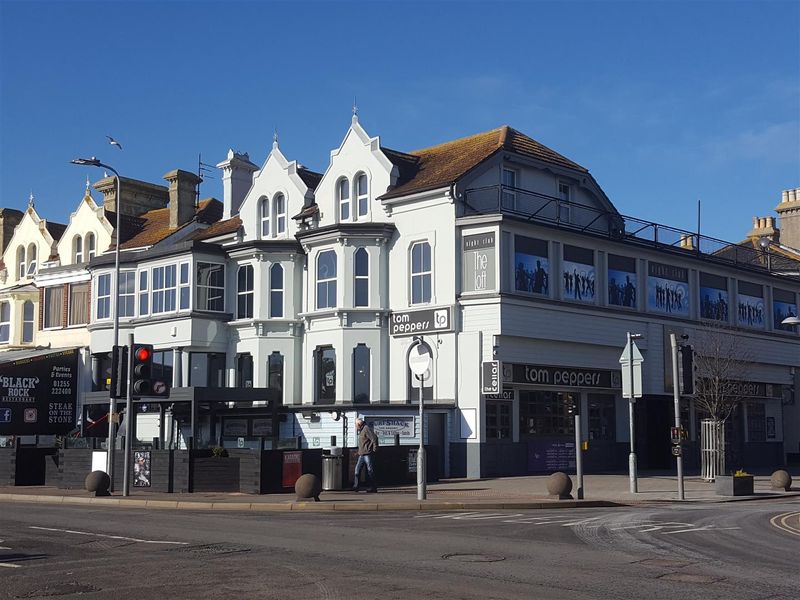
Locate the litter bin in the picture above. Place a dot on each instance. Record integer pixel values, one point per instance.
(332, 468)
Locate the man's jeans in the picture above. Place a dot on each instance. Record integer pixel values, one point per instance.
(366, 459)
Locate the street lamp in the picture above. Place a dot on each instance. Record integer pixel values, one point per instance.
(764, 243)
(95, 162)
(791, 321)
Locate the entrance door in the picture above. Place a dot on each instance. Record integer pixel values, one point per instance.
(655, 436)
(437, 437)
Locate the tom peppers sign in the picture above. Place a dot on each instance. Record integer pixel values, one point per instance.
(38, 394)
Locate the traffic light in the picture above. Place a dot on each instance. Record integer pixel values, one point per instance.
(143, 382)
(119, 372)
(687, 369)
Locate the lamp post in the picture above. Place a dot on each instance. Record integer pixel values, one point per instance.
(764, 243)
(95, 162)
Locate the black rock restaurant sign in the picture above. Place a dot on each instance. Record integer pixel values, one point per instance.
(38, 394)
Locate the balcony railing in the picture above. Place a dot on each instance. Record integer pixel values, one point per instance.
(541, 208)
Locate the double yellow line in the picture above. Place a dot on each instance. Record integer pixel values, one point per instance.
(789, 522)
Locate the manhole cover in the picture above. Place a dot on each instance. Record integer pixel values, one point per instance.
(212, 549)
(690, 578)
(472, 558)
(61, 589)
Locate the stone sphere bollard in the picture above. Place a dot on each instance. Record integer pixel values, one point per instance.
(308, 486)
(98, 482)
(781, 480)
(559, 485)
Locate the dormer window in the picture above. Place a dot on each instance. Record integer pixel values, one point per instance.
(264, 208)
(344, 199)
(91, 248)
(362, 194)
(77, 249)
(31, 260)
(279, 205)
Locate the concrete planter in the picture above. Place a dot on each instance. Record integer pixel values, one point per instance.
(727, 485)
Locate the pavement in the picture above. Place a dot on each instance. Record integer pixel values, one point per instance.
(528, 492)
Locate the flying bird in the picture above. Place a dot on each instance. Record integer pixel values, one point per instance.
(114, 142)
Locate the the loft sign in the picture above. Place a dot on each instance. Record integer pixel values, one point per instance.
(478, 270)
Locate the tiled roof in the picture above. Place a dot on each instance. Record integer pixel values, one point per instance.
(310, 178)
(156, 224)
(444, 164)
(225, 227)
(56, 230)
(779, 258)
(308, 211)
(128, 224)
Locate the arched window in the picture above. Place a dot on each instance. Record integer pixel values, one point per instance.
(264, 209)
(361, 374)
(276, 291)
(326, 279)
(279, 206)
(421, 273)
(5, 322)
(91, 246)
(361, 273)
(27, 322)
(31, 260)
(343, 195)
(77, 249)
(362, 194)
(21, 262)
(244, 290)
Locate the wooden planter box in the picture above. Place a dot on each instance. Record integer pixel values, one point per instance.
(727, 485)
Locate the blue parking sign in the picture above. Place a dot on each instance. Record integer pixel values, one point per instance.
(5, 415)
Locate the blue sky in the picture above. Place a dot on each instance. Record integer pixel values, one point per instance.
(664, 102)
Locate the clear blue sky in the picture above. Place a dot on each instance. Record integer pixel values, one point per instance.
(663, 102)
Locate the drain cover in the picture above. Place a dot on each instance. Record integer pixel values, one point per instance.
(690, 578)
(61, 589)
(212, 549)
(473, 558)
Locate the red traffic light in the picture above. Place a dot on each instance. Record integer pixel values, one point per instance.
(143, 354)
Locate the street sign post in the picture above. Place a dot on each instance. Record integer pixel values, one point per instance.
(420, 357)
(631, 361)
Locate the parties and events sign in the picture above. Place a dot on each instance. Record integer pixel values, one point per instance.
(141, 468)
(532, 267)
(561, 376)
(390, 426)
(784, 305)
(479, 272)
(38, 393)
(667, 289)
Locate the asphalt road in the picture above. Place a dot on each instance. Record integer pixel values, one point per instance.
(746, 550)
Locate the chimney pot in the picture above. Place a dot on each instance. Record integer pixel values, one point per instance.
(182, 194)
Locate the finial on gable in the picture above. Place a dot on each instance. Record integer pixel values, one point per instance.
(88, 185)
(275, 138)
(355, 111)
(31, 200)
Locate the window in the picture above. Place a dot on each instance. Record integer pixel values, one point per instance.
(361, 271)
(325, 374)
(546, 413)
(361, 375)
(184, 292)
(264, 208)
(101, 376)
(275, 377)
(53, 307)
(5, 322)
(498, 420)
(602, 417)
(279, 206)
(756, 422)
(244, 370)
(91, 244)
(509, 189)
(343, 188)
(163, 289)
(79, 303)
(31, 260)
(77, 249)
(144, 297)
(244, 305)
(21, 262)
(276, 291)
(27, 320)
(565, 197)
(206, 369)
(210, 286)
(162, 366)
(362, 194)
(326, 279)
(127, 294)
(420, 273)
(103, 309)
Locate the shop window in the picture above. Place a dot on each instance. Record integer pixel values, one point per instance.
(602, 417)
(162, 365)
(28, 319)
(275, 377)
(53, 307)
(276, 291)
(207, 369)
(326, 279)
(498, 420)
(244, 370)
(361, 271)
(756, 422)
(210, 286)
(127, 294)
(5, 322)
(244, 291)
(325, 374)
(421, 273)
(362, 194)
(103, 307)
(79, 303)
(546, 413)
(361, 374)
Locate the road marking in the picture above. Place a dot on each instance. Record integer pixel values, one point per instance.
(9, 565)
(111, 537)
(703, 528)
(785, 522)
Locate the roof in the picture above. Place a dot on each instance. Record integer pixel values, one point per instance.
(446, 163)
(56, 230)
(155, 226)
(225, 227)
(308, 211)
(13, 355)
(129, 225)
(780, 259)
(309, 177)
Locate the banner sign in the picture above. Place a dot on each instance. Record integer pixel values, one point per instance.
(389, 426)
(141, 468)
(490, 377)
(561, 376)
(549, 455)
(478, 263)
(420, 322)
(38, 394)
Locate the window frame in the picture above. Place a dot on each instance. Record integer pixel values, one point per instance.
(246, 295)
(319, 356)
(564, 210)
(22, 264)
(499, 426)
(359, 196)
(276, 292)
(360, 278)
(342, 202)
(510, 196)
(71, 304)
(130, 295)
(32, 259)
(28, 324)
(272, 394)
(143, 291)
(103, 298)
(91, 242)
(205, 286)
(5, 322)
(264, 218)
(165, 292)
(367, 374)
(279, 216)
(47, 299)
(422, 274)
(327, 282)
(77, 249)
(184, 286)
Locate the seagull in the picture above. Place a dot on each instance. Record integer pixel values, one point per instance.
(114, 142)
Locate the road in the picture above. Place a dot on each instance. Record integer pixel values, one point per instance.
(745, 550)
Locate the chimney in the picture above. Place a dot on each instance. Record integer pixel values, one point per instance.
(765, 227)
(237, 178)
(138, 197)
(182, 194)
(789, 215)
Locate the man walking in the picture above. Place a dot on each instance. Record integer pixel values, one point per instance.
(367, 446)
